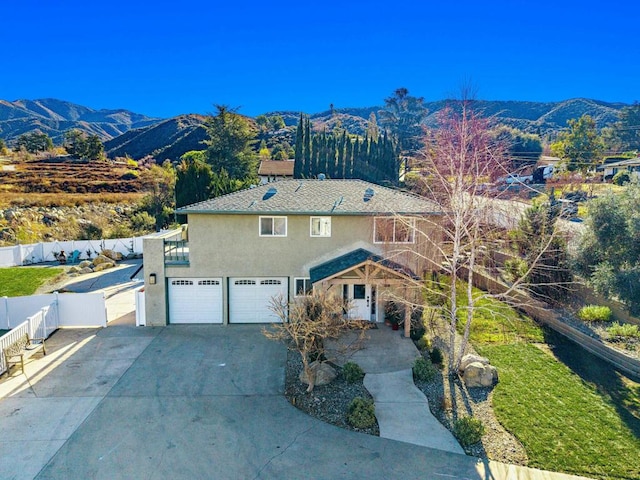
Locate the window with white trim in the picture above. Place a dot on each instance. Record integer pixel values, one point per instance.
(320, 226)
(303, 287)
(394, 230)
(273, 226)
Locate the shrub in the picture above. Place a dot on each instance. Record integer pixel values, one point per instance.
(619, 331)
(468, 430)
(394, 312)
(129, 175)
(423, 370)
(352, 372)
(423, 343)
(515, 268)
(621, 178)
(361, 413)
(594, 313)
(436, 356)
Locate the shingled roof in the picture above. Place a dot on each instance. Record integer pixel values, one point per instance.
(353, 259)
(316, 197)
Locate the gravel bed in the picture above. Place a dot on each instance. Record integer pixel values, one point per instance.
(328, 403)
(449, 399)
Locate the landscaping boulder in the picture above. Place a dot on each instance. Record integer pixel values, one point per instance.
(101, 259)
(84, 270)
(324, 372)
(74, 269)
(85, 264)
(103, 266)
(469, 359)
(477, 374)
(113, 255)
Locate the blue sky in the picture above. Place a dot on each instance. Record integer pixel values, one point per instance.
(164, 58)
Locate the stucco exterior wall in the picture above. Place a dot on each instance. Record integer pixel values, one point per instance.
(231, 246)
(155, 294)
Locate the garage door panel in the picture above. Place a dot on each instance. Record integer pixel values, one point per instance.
(250, 298)
(195, 300)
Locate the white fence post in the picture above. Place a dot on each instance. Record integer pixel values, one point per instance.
(6, 311)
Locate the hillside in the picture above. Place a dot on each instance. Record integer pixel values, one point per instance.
(137, 136)
(546, 118)
(167, 140)
(54, 117)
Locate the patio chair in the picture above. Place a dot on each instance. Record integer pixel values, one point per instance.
(75, 256)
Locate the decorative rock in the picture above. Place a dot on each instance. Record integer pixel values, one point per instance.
(116, 256)
(477, 374)
(86, 270)
(85, 263)
(470, 358)
(73, 269)
(101, 259)
(324, 372)
(103, 266)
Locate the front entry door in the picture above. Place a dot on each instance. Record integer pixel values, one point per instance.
(362, 301)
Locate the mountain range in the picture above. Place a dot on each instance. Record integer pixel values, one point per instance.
(55, 117)
(136, 135)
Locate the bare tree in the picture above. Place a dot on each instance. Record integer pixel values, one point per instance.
(461, 158)
(307, 322)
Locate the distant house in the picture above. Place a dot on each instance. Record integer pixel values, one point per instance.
(285, 239)
(632, 165)
(274, 170)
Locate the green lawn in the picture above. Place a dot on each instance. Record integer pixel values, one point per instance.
(18, 281)
(572, 412)
(565, 423)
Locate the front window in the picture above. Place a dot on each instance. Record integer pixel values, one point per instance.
(273, 226)
(320, 226)
(303, 287)
(394, 230)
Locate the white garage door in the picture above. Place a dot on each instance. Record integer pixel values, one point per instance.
(250, 298)
(195, 300)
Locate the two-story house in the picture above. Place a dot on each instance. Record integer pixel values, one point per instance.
(284, 239)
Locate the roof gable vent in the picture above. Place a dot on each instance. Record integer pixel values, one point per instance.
(368, 194)
(270, 193)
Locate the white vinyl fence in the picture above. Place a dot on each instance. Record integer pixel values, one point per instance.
(41, 315)
(44, 252)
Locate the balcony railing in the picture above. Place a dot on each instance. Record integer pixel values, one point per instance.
(176, 252)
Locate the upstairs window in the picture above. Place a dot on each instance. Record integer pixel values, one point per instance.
(273, 226)
(394, 230)
(320, 226)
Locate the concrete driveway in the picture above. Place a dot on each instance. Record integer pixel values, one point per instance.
(193, 402)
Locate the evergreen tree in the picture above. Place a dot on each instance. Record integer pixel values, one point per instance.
(307, 148)
(194, 179)
(348, 164)
(231, 137)
(298, 165)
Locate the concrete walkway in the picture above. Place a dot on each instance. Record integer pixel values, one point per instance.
(191, 402)
(402, 410)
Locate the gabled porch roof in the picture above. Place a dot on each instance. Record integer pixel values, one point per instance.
(369, 267)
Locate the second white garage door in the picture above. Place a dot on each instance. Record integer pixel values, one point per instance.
(195, 300)
(250, 298)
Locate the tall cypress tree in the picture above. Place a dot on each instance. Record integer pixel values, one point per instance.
(298, 159)
(307, 148)
(339, 170)
(348, 164)
(315, 155)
